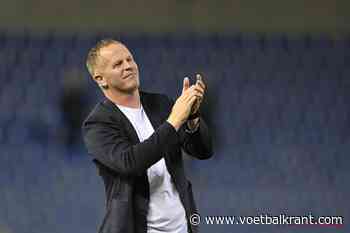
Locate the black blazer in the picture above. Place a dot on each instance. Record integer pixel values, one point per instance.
(123, 161)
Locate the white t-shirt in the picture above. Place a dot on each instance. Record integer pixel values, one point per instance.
(166, 212)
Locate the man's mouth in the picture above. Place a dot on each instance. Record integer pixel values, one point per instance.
(128, 76)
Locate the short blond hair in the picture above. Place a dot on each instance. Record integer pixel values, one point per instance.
(94, 53)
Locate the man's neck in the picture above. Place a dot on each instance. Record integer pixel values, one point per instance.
(131, 100)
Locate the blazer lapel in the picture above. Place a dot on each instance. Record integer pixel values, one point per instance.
(152, 111)
(125, 121)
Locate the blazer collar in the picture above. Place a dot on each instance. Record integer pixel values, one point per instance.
(150, 109)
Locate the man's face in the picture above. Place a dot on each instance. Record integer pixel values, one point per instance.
(118, 69)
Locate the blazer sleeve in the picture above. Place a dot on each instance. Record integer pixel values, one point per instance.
(197, 144)
(109, 145)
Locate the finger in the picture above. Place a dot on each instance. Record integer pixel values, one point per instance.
(199, 95)
(192, 99)
(186, 84)
(199, 89)
(192, 92)
(198, 77)
(199, 98)
(192, 88)
(196, 94)
(187, 92)
(200, 83)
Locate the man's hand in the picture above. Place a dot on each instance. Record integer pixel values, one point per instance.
(183, 105)
(200, 86)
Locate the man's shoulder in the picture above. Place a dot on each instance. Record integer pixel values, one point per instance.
(100, 111)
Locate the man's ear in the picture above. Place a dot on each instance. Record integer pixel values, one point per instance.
(101, 81)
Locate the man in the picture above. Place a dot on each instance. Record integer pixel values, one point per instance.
(136, 138)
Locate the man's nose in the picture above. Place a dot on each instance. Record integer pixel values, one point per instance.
(127, 65)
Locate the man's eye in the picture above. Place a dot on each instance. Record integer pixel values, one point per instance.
(117, 64)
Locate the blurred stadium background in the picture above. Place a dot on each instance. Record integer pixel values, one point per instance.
(278, 105)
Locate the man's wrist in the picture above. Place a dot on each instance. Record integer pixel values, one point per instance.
(192, 125)
(174, 123)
